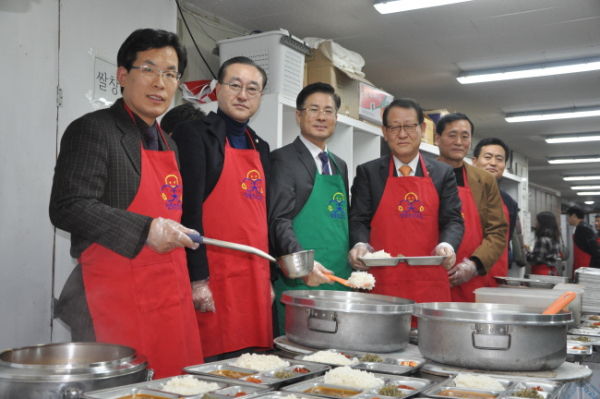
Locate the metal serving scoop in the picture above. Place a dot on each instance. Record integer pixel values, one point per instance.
(225, 244)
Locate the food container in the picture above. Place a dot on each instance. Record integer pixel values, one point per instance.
(57, 371)
(347, 320)
(492, 336)
(522, 282)
(576, 352)
(549, 279)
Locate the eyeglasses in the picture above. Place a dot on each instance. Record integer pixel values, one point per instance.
(235, 88)
(314, 112)
(395, 130)
(148, 71)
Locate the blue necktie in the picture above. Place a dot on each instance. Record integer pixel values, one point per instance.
(325, 160)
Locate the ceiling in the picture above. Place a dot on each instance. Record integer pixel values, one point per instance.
(419, 53)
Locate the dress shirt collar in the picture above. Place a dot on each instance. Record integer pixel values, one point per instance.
(413, 165)
(314, 152)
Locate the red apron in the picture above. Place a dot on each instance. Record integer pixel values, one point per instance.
(240, 282)
(146, 302)
(500, 268)
(406, 222)
(544, 270)
(471, 241)
(580, 258)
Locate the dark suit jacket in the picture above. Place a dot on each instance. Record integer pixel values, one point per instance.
(513, 210)
(291, 181)
(367, 191)
(201, 146)
(585, 238)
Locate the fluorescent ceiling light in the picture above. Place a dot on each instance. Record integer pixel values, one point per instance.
(589, 202)
(588, 193)
(588, 159)
(576, 178)
(391, 6)
(530, 70)
(585, 187)
(573, 138)
(548, 115)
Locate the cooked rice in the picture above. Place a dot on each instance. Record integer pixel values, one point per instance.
(478, 382)
(292, 397)
(331, 358)
(188, 385)
(362, 280)
(260, 362)
(377, 255)
(352, 378)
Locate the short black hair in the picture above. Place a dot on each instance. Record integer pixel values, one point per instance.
(453, 117)
(577, 211)
(597, 215)
(490, 141)
(147, 39)
(407, 103)
(181, 113)
(241, 60)
(318, 87)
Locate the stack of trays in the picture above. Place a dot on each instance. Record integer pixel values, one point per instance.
(590, 279)
(512, 387)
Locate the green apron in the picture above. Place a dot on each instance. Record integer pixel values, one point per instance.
(322, 225)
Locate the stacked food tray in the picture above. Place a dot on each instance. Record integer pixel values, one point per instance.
(590, 279)
(515, 282)
(155, 390)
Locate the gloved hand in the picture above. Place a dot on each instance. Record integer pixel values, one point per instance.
(202, 296)
(358, 251)
(317, 276)
(166, 235)
(445, 249)
(272, 294)
(462, 272)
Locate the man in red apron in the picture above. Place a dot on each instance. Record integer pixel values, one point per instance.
(486, 227)
(586, 248)
(490, 154)
(308, 195)
(413, 212)
(118, 191)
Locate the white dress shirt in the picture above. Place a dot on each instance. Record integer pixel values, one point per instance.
(315, 151)
(413, 165)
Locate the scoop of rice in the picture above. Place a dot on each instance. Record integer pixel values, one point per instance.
(478, 382)
(362, 280)
(292, 397)
(188, 385)
(260, 362)
(377, 255)
(352, 378)
(331, 358)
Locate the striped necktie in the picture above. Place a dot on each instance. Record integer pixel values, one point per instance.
(325, 160)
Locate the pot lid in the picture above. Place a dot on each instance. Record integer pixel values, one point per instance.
(350, 302)
(491, 313)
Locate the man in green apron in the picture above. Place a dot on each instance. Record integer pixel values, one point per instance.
(307, 196)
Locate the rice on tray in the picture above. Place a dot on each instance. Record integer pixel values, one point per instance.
(477, 381)
(188, 385)
(377, 255)
(331, 358)
(352, 378)
(292, 397)
(260, 362)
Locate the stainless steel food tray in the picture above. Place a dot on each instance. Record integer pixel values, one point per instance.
(523, 282)
(591, 318)
(227, 389)
(549, 279)
(420, 384)
(577, 355)
(551, 390)
(267, 377)
(589, 340)
(409, 260)
(583, 330)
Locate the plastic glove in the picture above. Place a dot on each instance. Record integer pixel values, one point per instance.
(445, 249)
(202, 296)
(317, 276)
(166, 235)
(358, 251)
(462, 272)
(272, 294)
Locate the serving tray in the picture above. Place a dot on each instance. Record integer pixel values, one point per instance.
(589, 340)
(226, 390)
(266, 378)
(523, 282)
(409, 260)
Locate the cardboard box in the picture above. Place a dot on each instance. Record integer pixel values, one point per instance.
(436, 114)
(372, 103)
(427, 136)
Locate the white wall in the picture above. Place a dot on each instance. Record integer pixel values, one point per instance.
(32, 127)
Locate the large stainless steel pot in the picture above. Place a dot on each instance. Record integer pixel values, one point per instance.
(347, 320)
(492, 336)
(65, 371)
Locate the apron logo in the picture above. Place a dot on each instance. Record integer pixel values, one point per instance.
(172, 193)
(336, 206)
(411, 207)
(462, 212)
(252, 184)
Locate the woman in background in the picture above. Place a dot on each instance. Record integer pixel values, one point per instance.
(545, 254)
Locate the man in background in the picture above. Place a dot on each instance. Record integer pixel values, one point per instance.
(586, 251)
(597, 225)
(185, 112)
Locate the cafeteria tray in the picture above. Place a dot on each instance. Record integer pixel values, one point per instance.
(523, 282)
(280, 395)
(594, 341)
(593, 318)
(549, 279)
(348, 354)
(420, 384)
(550, 389)
(577, 355)
(227, 389)
(409, 260)
(267, 378)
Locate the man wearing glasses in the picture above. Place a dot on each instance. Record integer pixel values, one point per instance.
(117, 190)
(308, 195)
(486, 226)
(223, 165)
(408, 205)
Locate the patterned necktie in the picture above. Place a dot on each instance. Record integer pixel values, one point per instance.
(151, 137)
(325, 160)
(405, 170)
